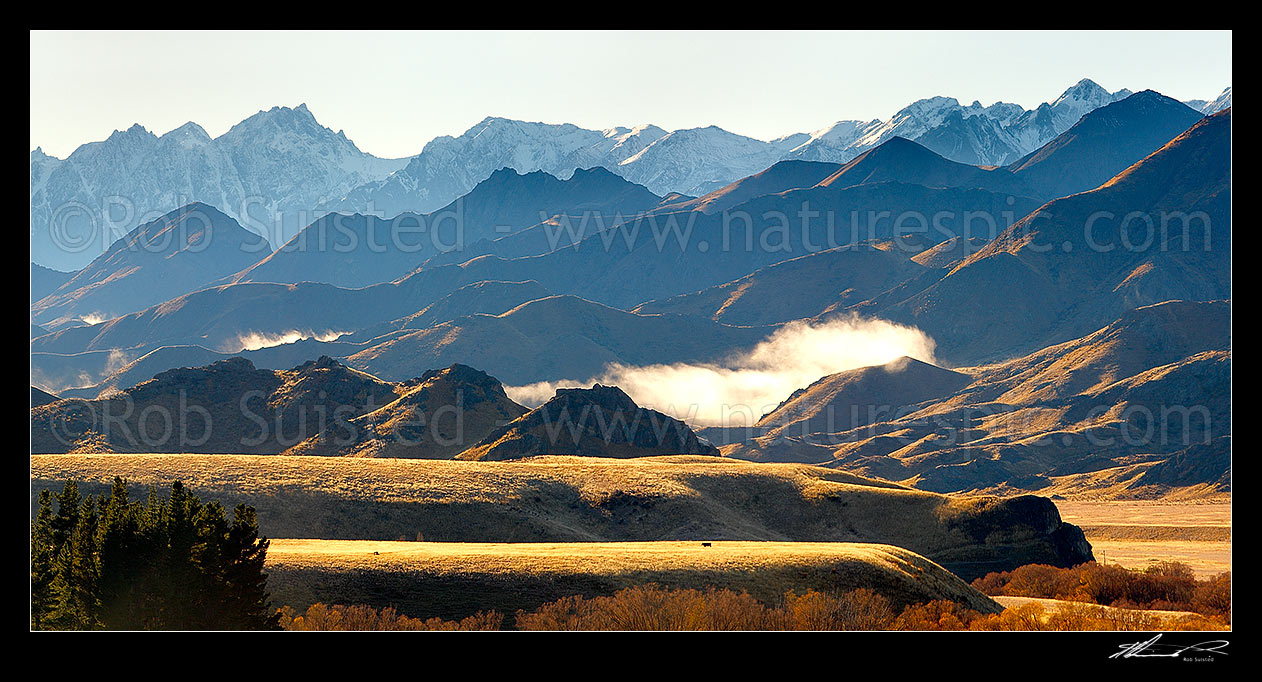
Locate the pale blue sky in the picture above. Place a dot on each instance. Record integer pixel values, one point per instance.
(392, 92)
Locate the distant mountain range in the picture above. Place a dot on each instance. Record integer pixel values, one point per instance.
(874, 269)
(1223, 101)
(1079, 262)
(699, 160)
(1053, 290)
(270, 172)
(45, 281)
(280, 170)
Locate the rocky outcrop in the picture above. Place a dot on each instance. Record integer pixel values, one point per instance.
(440, 414)
(601, 421)
(225, 407)
(1000, 534)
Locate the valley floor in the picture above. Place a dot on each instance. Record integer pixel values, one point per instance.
(1138, 534)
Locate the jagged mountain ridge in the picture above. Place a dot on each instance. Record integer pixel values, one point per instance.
(1103, 143)
(699, 160)
(278, 170)
(600, 421)
(226, 407)
(270, 172)
(323, 407)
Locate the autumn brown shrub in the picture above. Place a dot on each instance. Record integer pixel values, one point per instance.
(319, 617)
(938, 614)
(1168, 586)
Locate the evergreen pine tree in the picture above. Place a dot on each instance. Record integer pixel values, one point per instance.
(42, 553)
(74, 584)
(166, 564)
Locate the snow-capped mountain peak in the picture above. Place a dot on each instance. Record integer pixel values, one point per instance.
(189, 133)
(281, 163)
(297, 166)
(1085, 90)
(1084, 97)
(1222, 102)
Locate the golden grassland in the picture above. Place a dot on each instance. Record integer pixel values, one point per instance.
(585, 502)
(454, 580)
(584, 499)
(545, 498)
(390, 480)
(1137, 534)
(1051, 606)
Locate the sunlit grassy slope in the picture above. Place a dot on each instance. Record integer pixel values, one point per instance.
(564, 499)
(454, 580)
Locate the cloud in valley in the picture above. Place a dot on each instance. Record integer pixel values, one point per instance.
(257, 340)
(749, 384)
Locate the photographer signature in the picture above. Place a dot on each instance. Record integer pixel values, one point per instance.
(1151, 649)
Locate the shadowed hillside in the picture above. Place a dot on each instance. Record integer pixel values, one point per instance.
(487, 297)
(843, 401)
(45, 281)
(600, 421)
(1078, 262)
(438, 415)
(1124, 411)
(781, 177)
(357, 250)
(228, 406)
(651, 257)
(1104, 143)
(901, 160)
(820, 282)
(39, 397)
(555, 337)
(180, 252)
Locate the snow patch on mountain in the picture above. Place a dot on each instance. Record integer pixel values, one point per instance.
(269, 172)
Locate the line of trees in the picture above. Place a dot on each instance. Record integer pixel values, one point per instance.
(165, 564)
(651, 607)
(1166, 585)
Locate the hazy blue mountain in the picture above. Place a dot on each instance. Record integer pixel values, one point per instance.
(1104, 143)
(45, 281)
(1061, 280)
(270, 172)
(183, 250)
(700, 160)
(901, 160)
(973, 134)
(647, 258)
(279, 170)
(519, 346)
(357, 250)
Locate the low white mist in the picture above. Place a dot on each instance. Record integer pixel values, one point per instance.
(740, 390)
(116, 360)
(257, 340)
